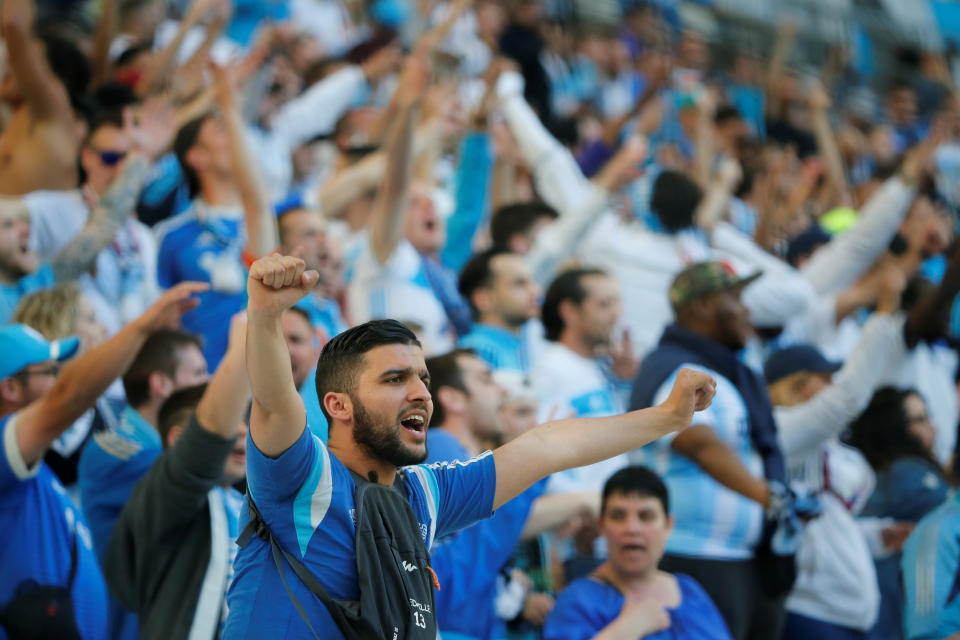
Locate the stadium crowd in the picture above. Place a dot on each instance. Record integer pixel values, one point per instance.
(473, 319)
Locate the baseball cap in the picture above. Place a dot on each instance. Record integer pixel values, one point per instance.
(703, 279)
(792, 360)
(22, 346)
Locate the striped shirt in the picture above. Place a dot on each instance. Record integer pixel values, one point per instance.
(931, 574)
(712, 521)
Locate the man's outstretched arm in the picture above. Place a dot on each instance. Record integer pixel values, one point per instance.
(278, 417)
(575, 442)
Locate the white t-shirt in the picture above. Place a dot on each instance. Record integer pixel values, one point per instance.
(397, 289)
(567, 384)
(56, 217)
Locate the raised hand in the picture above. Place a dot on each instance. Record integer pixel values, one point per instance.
(692, 391)
(276, 283)
(165, 313)
(151, 130)
(644, 617)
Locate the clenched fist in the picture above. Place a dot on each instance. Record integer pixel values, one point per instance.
(692, 391)
(276, 283)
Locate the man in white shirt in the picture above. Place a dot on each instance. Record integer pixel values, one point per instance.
(574, 374)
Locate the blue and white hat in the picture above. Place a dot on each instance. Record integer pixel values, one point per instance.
(21, 346)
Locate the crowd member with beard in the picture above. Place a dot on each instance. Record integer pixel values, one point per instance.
(628, 596)
(373, 386)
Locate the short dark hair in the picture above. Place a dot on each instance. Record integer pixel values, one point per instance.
(476, 274)
(69, 64)
(567, 286)
(674, 200)
(185, 140)
(303, 313)
(177, 409)
(725, 113)
(445, 372)
(636, 480)
(342, 357)
(519, 218)
(158, 353)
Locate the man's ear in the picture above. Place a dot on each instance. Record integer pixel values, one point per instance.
(452, 400)
(483, 299)
(160, 384)
(338, 405)
(11, 390)
(173, 435)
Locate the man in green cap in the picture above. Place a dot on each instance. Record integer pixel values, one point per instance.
(733, 512)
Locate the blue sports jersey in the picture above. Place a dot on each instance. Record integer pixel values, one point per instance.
(39, 524)
(305, 496)
(206, 247)
(931, 575)
(10, 294)
(586, 606)
(498, 347)
(326, 318)
(468, 562)
(110, 466)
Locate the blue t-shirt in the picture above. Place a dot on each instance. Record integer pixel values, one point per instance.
(39, 524)
(316, 421)
(498, 347)
(10, 294)
(110, 466)
(205, 250)
(586, 606)
(306, 498)
(931, 575)
(468, 562)
(326, 318)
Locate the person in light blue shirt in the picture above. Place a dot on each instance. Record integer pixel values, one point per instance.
(931, 575)
(373, 386)
(503, 297)
(628, 596)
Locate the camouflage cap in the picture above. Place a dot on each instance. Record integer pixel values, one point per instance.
(703, 279)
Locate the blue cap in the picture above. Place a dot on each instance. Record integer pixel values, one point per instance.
(22, 346)
(795, 359)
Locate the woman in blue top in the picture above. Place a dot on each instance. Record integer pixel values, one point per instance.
(627, 597)
(895, 435)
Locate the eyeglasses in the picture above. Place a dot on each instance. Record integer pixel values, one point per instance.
(49, 370)
(108, 157)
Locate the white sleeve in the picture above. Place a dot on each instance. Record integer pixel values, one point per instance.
(872, 529)
(806, 426)
(557, 176)
(56, 217)
(819, 322)
(780, 294)
(841, 262)
(317, 110)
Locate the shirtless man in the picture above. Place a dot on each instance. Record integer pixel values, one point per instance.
(38, 149)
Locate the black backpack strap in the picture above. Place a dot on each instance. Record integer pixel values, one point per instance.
(73, 562)
(258, 527)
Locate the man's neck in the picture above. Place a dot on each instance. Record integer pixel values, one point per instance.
(576, 343)
(637, 584)
(499, 323)
(219, 192)
(459, 429)
(149, 413)
(353, 457)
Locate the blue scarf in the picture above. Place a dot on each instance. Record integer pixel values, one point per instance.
(679, 346)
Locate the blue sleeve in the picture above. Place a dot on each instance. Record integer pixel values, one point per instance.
(443, 447)
(11, 462)
(472, 188)
(931, 577)
(43, 277)
(698, 611)
(915, 490)
(166, 264)
(572, 617)
(462, 491)
(277, 479)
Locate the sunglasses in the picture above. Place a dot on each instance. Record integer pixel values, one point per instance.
(109, 158)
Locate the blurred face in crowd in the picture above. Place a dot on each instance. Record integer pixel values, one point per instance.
(29, 384)
(426, 230)
(102, 156)
(720, 316)
(305, 228)
(918, 421)
(210, 155)
(16, 258)
(191, 369)
(513, 297)
(927, 226)
(392, 405)
(87, 327)
(597, 314)
(302, 344)
(491, 19)
(798, 388)
(902, 105)
(235, 468)
(482, 400)
(519, 416)
(636, 529)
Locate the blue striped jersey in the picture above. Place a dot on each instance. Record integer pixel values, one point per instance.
(931, 574)
(306, 498)
(712, 521)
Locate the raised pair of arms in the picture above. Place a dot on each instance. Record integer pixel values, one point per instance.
(85, 378)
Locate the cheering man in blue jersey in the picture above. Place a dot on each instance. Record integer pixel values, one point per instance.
(373, 386)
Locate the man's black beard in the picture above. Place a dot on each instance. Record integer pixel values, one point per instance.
(382, 442)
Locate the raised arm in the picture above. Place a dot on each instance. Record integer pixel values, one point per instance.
(819, 102)
(45, 95)
(107, 28)
(258, 216)
(164, 61)
(278, 417)
(225, 401)
(85, 378)
(576, 442)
